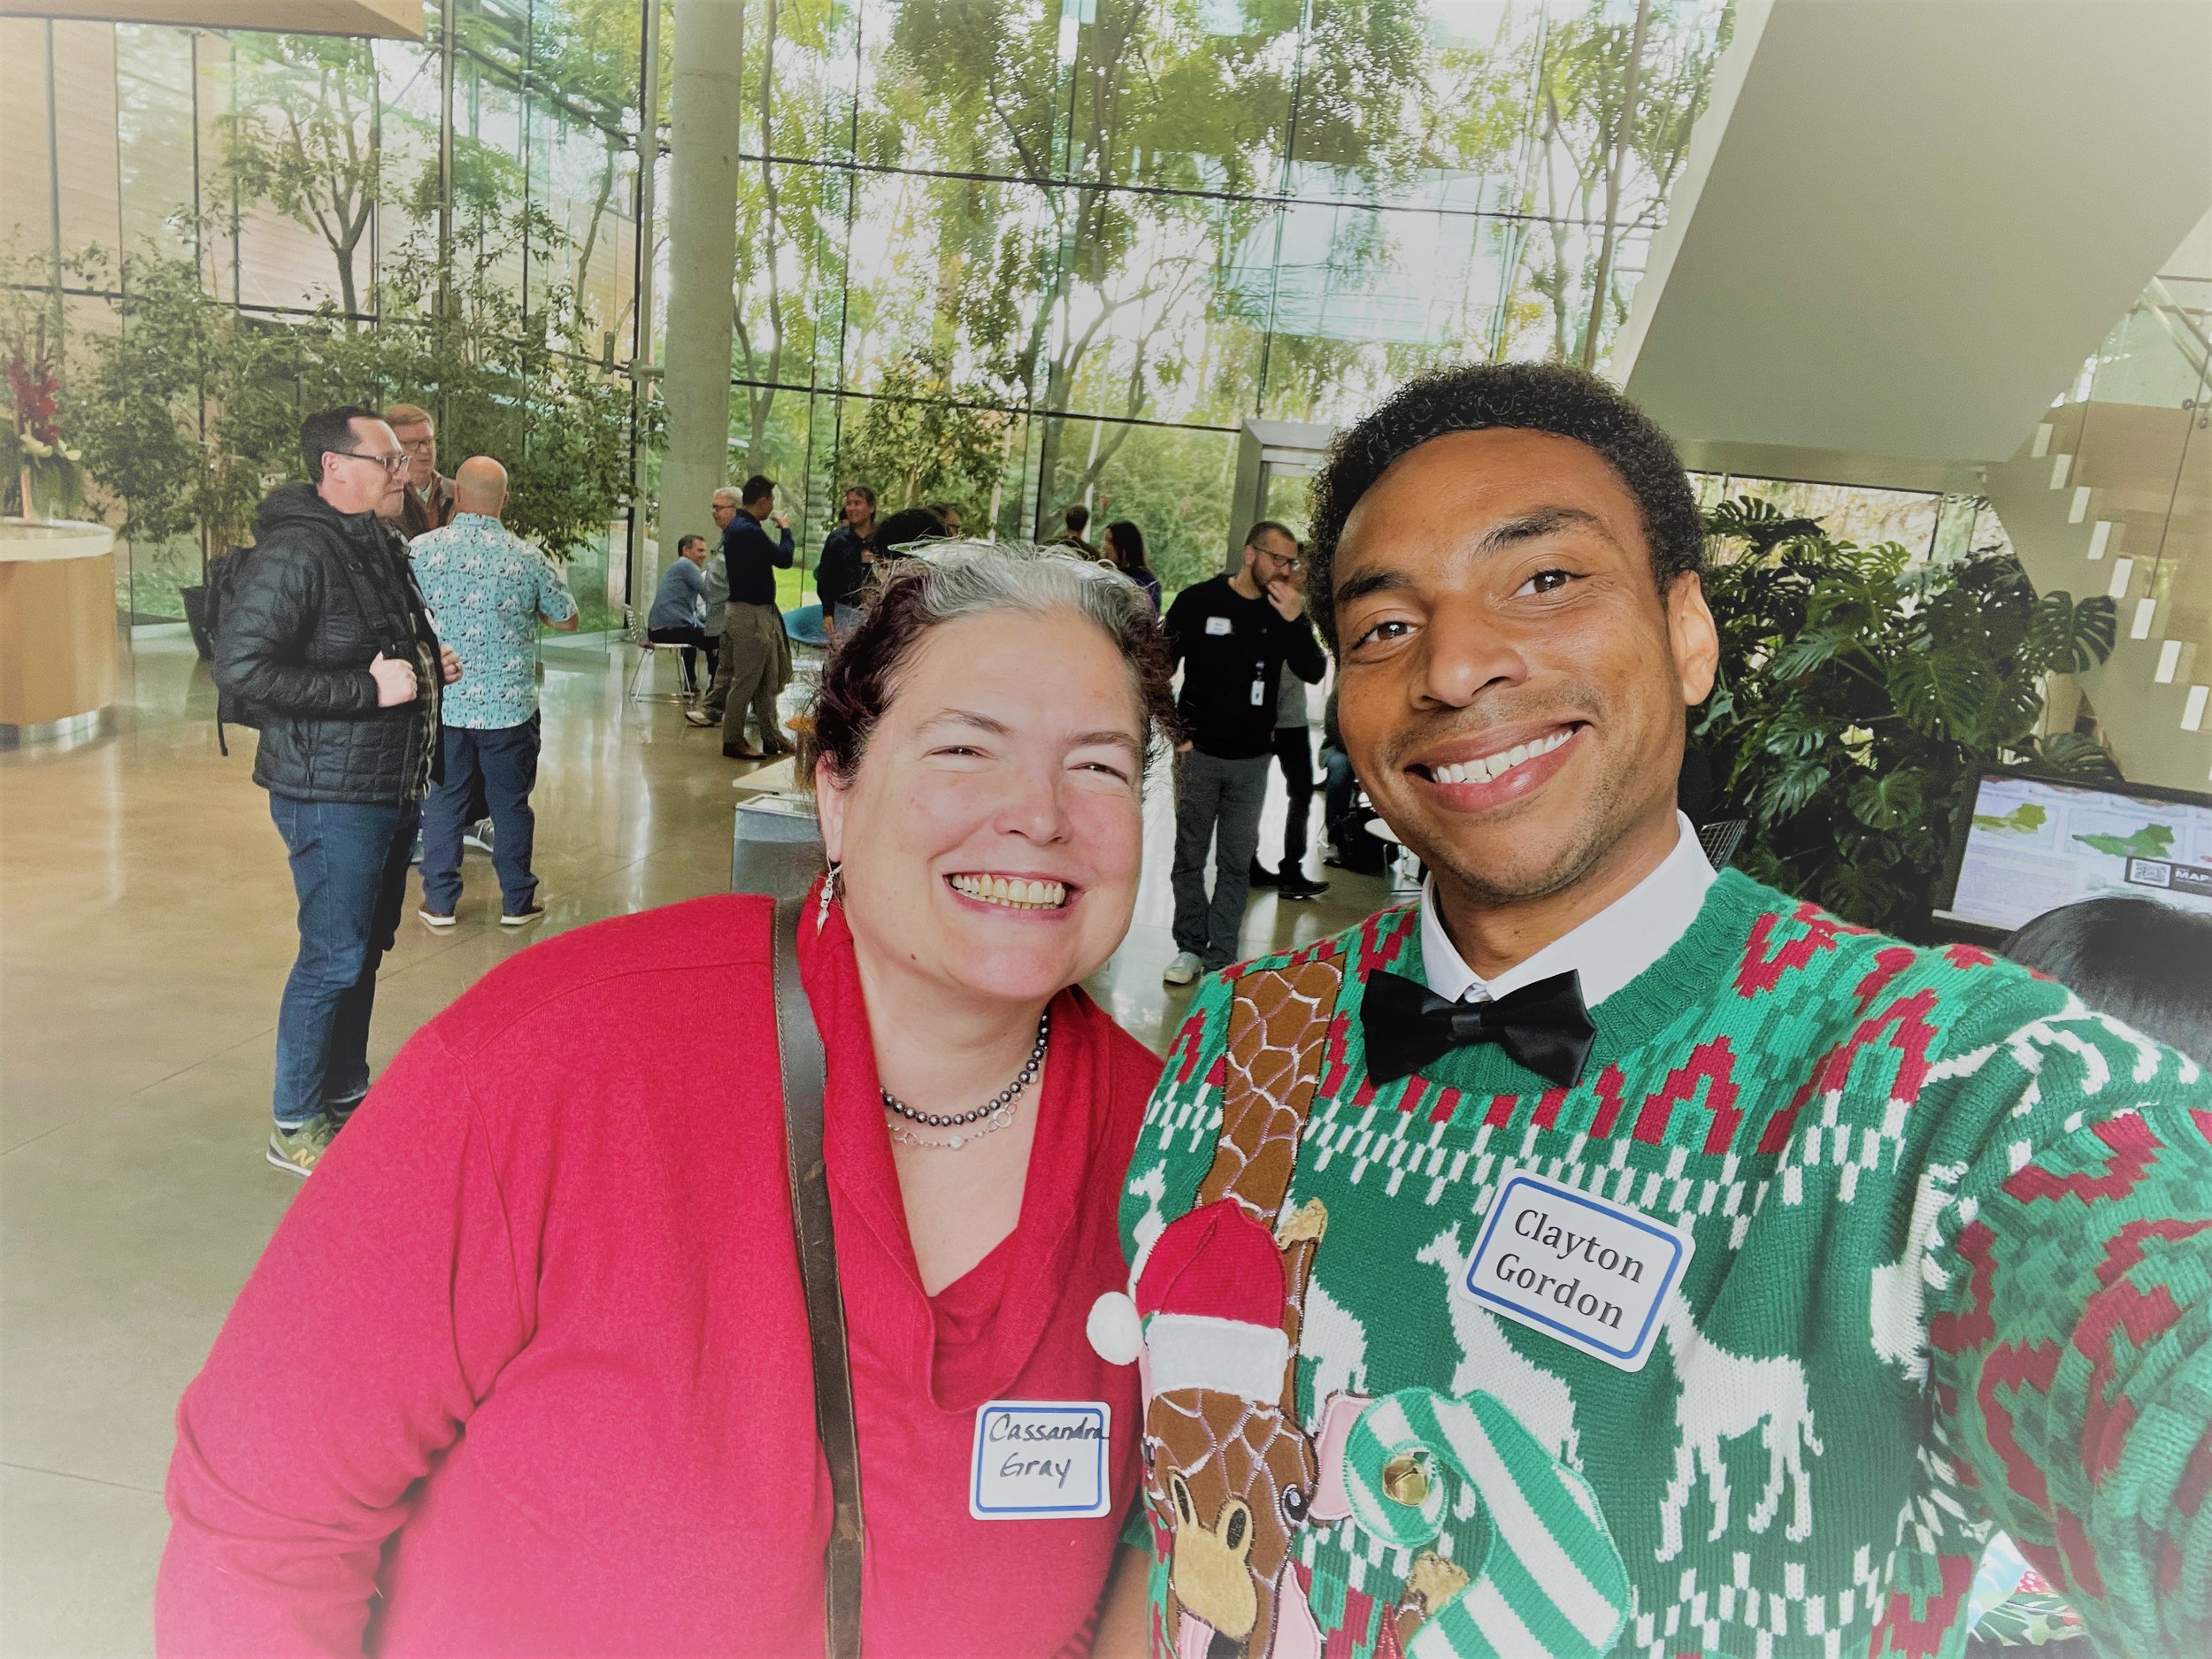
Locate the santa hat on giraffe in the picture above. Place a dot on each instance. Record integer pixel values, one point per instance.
(1207, 1310)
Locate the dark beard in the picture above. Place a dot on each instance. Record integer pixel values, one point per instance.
(1571, 868)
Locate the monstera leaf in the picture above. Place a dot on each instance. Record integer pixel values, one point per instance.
(2071, 755)
(1887, 802)
(1856, 890)
(1800, 656)
(1786, 793)
(2067, 638)
(1760, 523)
(1796, 730)
(1865, 690)
(1943, 690)
(2015, 707)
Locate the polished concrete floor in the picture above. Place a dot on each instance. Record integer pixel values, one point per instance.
(146, 925)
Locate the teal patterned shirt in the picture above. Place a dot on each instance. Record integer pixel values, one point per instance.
(484, 587)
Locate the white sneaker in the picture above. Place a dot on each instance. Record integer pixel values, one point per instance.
(1184, 970)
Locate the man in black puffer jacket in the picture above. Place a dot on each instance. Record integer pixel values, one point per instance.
(328, 647)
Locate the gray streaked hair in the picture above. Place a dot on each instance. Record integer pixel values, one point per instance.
(957, 580)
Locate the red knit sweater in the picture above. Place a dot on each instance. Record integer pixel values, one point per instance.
(524, 1370)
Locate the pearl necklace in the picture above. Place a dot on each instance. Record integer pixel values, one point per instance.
(995, 1116)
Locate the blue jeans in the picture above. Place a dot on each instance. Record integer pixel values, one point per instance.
(505, 758)
(350, 869)
(1340, 790)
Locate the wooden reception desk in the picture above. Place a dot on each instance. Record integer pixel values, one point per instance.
(56, 626)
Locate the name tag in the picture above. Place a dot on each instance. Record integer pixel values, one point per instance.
(1218, 625)
(1039, 1460)
(1588, 1272)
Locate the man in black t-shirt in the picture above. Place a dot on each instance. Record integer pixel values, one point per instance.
(1232, 636)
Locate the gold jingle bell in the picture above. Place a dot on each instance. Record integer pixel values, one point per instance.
(1405, 1480)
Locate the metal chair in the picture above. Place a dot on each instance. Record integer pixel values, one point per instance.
(1723, 838)
(646, 650)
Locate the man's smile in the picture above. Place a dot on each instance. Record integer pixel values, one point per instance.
(1493, 767)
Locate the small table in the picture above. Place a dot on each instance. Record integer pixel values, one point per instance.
(57, 628)
(777, 845)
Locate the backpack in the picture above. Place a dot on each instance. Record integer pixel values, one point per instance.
(225, 572)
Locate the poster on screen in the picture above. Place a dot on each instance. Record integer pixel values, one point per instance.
(2030, 846)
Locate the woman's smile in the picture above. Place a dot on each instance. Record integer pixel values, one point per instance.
(1032, 893)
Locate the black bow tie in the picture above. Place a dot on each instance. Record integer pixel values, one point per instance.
(1544, 1027)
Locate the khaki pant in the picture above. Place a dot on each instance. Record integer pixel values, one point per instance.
(754, 667)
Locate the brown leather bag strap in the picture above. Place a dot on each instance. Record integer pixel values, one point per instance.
(799, 1049)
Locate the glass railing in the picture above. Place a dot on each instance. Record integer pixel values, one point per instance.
(2138, 426)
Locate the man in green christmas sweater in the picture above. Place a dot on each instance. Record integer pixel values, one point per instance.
(1602, 1256)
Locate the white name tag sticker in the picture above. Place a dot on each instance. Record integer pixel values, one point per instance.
(1218, 625)
(1584, 1269)
(1039, 1460)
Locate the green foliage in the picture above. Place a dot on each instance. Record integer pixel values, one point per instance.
(1085, 223)
(1070, 300)
(1860, 695)
(44, 477)
(1619, 89)
(913, 443)
(2072, 755)
(1175, 486)
(190, 410)
(517, 381)
(303, 135)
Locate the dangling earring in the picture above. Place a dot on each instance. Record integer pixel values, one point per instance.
(829, 892)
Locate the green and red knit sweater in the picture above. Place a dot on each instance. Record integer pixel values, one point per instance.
(1953, 1271)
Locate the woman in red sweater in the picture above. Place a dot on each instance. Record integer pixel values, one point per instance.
(525, 1370)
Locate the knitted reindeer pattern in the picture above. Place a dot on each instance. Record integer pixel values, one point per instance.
(1952, 1275)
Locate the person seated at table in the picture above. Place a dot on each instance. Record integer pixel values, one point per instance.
(680, 610)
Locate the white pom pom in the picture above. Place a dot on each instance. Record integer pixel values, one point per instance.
(1114, 1330)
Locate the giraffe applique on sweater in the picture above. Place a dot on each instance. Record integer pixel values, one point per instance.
(1944, 1266)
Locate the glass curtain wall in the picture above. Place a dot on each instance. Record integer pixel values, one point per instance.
(341, 197)
(1009, 254)
(1018, 255)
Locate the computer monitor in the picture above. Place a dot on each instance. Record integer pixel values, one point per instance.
(2031, 845)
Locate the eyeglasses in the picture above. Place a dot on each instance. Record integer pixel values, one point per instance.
(389, 462)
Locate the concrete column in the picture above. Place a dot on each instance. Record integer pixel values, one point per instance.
(703, 140)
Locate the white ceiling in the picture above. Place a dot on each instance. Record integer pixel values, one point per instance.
(387, 19)
(1905, 223)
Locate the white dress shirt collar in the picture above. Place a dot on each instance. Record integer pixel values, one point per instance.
(1608, 950)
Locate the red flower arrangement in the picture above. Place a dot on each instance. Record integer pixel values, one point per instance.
(40, 456)
(35, 386)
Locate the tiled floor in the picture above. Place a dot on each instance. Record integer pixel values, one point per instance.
(146, 925)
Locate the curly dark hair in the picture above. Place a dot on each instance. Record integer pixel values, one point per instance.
(1519, 397)
(858, 680)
